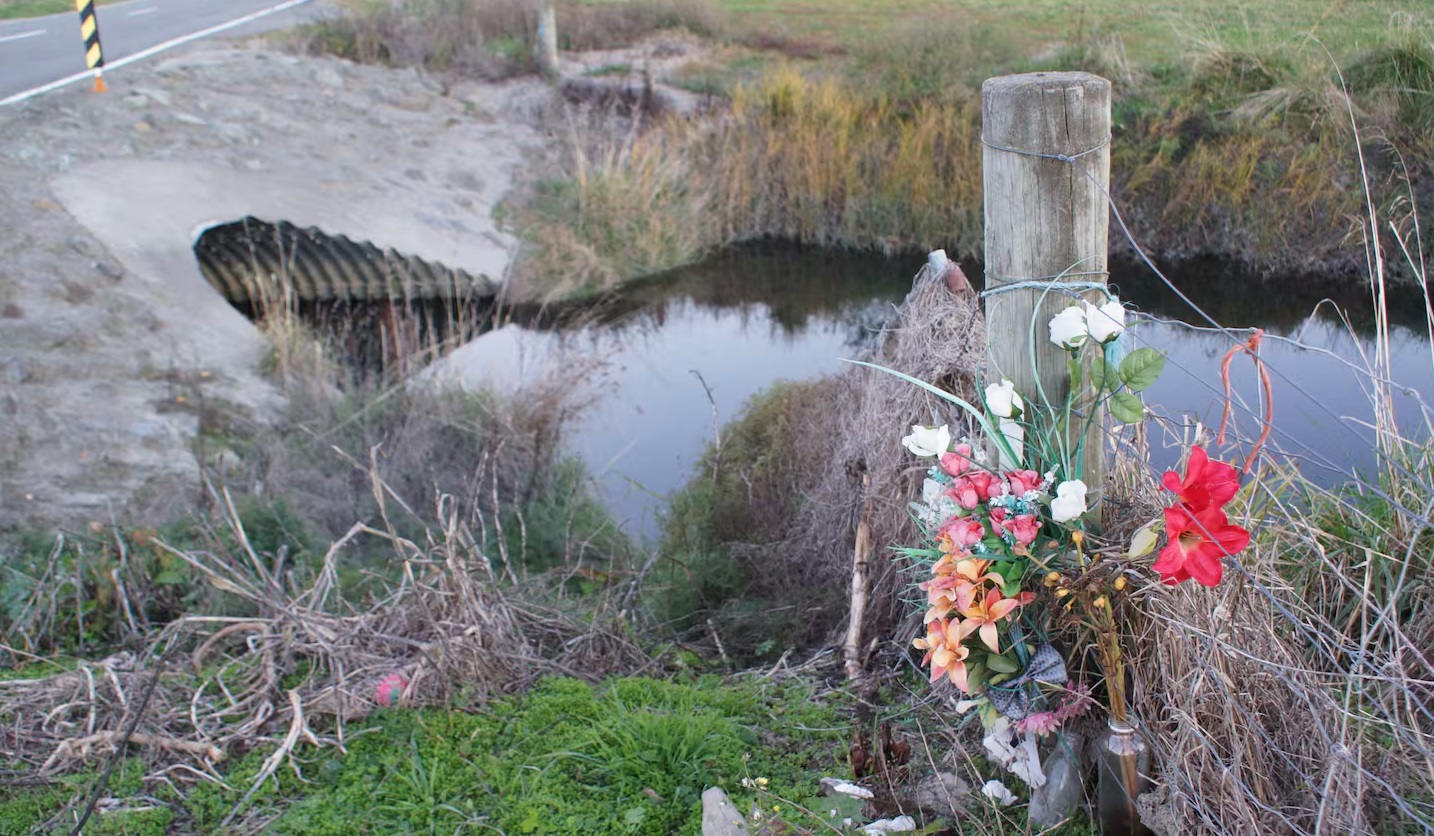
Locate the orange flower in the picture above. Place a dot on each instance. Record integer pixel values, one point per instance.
(957, 583)
(945, 653)
(947, 593)
(962, 564)
(982, 616)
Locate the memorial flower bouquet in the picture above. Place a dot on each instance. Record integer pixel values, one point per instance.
(1011, 549)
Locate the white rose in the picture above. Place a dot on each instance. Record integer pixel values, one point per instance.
(1069, 328)
(1105, 322)
(1069, 502)
(1015, 439)
(1002, 400)
(928, 441)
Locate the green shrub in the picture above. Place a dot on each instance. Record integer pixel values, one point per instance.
(722, 532)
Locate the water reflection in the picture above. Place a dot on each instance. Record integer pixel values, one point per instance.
(752, 317)
(1321, 403)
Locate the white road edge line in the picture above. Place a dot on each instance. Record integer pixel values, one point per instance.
(154, 50)
(138, 12)
(23, 35)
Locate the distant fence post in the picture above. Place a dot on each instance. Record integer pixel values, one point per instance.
(546, 47)
(1044, 218)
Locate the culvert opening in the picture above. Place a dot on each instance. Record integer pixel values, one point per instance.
(377, 309)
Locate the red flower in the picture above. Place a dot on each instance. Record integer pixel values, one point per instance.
(1207, 484)
(1024, 528)
(957, 462)
(972, 489)
(1023, 481)
(964, 531)
(1197, 542)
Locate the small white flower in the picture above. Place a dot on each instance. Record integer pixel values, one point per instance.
(928, 441)
(1069, 328)
(998, 793)
(1106, 322)
(1069, 502)
(1002, 400)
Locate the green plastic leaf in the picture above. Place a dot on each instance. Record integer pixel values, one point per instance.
(976, 676)
(1102, 375)
(1140, 368)
(1075, 370)
(1127, 408)
(978, 414)
(1002, 664)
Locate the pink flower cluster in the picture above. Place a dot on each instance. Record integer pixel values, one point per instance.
(1075, 703)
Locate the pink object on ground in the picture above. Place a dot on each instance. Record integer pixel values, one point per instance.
(390, 689)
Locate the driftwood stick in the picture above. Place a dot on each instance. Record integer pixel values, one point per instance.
(860, 585)
(82, 748)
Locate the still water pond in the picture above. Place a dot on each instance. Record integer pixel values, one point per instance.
(752, 317)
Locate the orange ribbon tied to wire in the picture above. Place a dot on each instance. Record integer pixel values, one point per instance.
(1252, 348)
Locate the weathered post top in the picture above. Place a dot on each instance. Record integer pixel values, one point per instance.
(1045, 218)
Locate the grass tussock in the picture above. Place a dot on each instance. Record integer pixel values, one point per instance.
(492, 39)
(1302, 701)
(629, 204)
(795, 159)
(1239, 147)
(489, 40)
(1400, 75)
(591, 26)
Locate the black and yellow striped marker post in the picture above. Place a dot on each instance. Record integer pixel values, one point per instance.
(90, 31)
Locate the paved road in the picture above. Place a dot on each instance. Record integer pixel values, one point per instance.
(38, 50)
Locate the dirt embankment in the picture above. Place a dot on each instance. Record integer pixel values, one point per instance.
(115, 354)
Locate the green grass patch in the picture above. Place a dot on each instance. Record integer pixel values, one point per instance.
(1162, 27)
(24, 810)
(631, 756)
(36, 8)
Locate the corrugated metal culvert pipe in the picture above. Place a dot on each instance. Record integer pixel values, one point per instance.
(377, 308)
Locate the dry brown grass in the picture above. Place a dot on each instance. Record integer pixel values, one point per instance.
(795, 476)
(303, 660)
(796, 159)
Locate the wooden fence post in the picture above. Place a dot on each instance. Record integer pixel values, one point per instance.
(545, 50)
(1044, 218)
